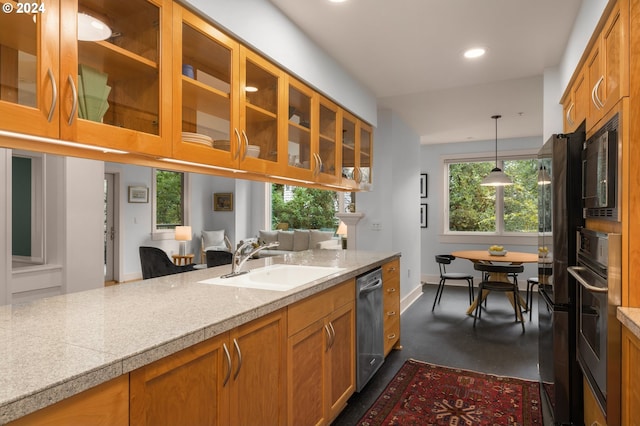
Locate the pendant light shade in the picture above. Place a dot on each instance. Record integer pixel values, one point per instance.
(543, 176)
(496, 177)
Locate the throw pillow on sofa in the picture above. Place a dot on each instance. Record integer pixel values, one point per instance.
(268, 237)
(316, 237)
(300, 240)
(285, 238)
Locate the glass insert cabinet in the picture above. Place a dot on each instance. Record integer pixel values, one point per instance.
(164, 83)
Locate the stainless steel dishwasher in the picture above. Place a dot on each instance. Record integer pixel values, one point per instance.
(369, 327)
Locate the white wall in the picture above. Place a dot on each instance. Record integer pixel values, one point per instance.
(393, 201)
(260, 24)
(432, 241)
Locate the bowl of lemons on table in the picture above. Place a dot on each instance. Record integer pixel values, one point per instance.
(496, 250)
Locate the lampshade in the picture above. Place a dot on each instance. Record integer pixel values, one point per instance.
(342, 229)
(183, 233)
(92, 29)
(496, 177)
(543, 176)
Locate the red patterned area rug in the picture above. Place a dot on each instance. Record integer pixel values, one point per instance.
(426, 394)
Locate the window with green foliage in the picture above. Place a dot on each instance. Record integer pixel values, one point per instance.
(303, 208)
(170, 204)
(498, 210)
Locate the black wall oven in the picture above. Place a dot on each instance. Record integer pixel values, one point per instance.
(598, 275)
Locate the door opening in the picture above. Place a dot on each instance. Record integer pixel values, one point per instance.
(109, 229)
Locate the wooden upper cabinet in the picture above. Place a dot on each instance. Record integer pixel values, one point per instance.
(262, 115)
(205, 92)
(116, 93)
(328, 142)
(608, 64)
(357, 153)
(30, 70)
(576, 103)
(301, 130)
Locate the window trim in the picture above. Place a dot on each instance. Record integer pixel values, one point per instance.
(511, 238)
(169, 234)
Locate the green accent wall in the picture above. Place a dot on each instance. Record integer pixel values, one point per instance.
(21, 206)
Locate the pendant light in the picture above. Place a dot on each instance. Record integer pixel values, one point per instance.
(496, 177)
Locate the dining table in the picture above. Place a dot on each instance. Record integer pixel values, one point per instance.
(510, 257)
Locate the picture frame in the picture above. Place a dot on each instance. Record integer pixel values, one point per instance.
(138, 194)
(423, 215)
(423, 185)
(223, 201)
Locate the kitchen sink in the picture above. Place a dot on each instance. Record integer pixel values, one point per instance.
(276, 277)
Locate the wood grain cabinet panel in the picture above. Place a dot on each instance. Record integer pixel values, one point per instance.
(630, 378)
(391, 304)
(321, 356)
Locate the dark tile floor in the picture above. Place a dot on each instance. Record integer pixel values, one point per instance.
(446, 337)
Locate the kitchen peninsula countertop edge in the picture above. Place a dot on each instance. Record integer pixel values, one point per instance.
(59, 346)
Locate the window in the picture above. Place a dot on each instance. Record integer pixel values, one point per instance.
(170, 202)
(473, 208)
(295, 207)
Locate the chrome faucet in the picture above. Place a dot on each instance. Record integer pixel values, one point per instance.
(240, 257)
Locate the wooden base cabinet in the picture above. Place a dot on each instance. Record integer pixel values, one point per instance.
(630, 378)
(234, 378)
(391, 303)
(105, 404)
(321, 356)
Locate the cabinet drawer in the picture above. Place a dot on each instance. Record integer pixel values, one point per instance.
(307, 311)
(391, 270)
(391, 334)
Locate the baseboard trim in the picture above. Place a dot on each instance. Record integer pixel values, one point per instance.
(410, 298)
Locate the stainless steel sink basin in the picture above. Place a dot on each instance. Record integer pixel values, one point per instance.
(276, 277)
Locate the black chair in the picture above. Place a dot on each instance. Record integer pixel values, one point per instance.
(156, 263)
(489, 282)
(531, 283)
(218, 257)
(443, 260)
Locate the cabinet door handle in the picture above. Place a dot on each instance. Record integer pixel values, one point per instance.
(235, 343)
(594, 94)
(54, 95)
(391, 336)
(333, 333)
(246, 145)
(228, 356)
(326, 329)
(238, 141)
(392, 269)
(568, 116)
(74, 108)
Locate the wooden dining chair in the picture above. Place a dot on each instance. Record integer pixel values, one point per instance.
(443, 260)
(492, 274)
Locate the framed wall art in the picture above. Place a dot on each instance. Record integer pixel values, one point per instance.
(223, 201)
(138, 194)
(423, 215)
(423, 185)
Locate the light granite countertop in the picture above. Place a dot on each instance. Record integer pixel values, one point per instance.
(59, 346)
(630, 318)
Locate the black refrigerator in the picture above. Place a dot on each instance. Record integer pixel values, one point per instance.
(559, 216)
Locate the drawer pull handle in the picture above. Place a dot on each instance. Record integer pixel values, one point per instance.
(391, 336)
(391, 290)
(391, 313)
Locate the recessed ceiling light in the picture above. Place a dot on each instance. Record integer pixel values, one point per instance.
(476, 52)
(337, 1)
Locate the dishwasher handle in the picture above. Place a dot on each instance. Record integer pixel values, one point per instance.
(372, 286)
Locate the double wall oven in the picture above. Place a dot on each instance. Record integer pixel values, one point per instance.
(598, 274)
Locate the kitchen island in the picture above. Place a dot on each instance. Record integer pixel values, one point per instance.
(58, 347)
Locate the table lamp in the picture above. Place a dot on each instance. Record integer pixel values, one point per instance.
(342, 232)
(183, 234)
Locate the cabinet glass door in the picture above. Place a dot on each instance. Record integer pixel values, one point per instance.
(260, 136)
(299, 129)
(204, 72)
(29, 67)
(365, 151)
(348, 150)
(328, 140)
(120, 90)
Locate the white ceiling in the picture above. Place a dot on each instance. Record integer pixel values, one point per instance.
(409, 54)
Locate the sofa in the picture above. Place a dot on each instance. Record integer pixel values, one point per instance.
(297, 240)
